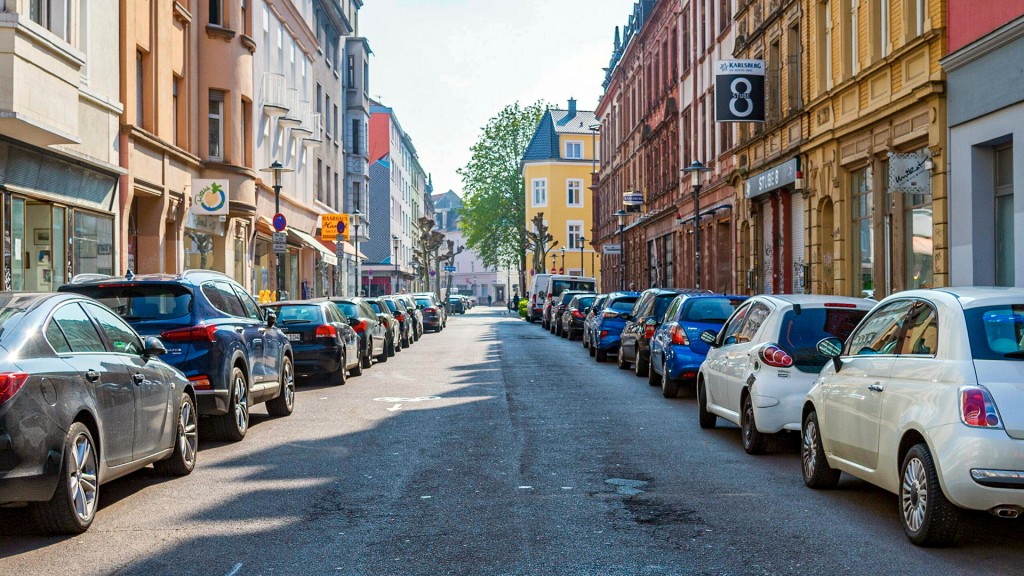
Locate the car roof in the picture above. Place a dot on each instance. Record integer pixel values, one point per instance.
(816, 299)
(970, 296)
(311, 302)
(194, 275)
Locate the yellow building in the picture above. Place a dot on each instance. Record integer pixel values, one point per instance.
(557, 169)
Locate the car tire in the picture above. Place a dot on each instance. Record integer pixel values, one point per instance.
(706, 419)
(592, 351)
(383, 357)
(284, 404)
(182, 460)
(586, 341)
(358, 370)
(754, 442)
(927, 516)
(234, 425)
(64, 512)
(623, 365)
(367, 360)
(813, 464)
(639, 366)
(340, 376)
(653, 378)
(599, 355)
(669, 386)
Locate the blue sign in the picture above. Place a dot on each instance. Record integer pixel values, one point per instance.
(279, 222)
(341, 226)
(449, 268)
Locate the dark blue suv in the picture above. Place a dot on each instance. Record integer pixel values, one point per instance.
(227, 346)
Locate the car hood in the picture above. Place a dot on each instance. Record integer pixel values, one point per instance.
(1004, 379)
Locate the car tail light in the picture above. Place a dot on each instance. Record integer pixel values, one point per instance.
(200, 333)
(604, 333)
(431, 310)
(401, 317)
(10, 383)
(577, 314)
(201, 382)
(649, 327)
(775, 356)
(609, 314)
(840, 305)
(360, 327)
(679, 336)
(326, 331)
(977, 409)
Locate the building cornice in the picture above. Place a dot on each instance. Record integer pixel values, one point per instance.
(1010, 32)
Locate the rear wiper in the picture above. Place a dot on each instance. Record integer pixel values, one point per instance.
(137, 318)
(295, 322)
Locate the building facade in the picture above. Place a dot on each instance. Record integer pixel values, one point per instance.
(986, 142)
(60, 106)
(471, 277)
(557, 168)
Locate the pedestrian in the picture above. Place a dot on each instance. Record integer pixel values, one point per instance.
(489, 300)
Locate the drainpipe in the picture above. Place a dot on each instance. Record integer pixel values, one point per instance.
(125, 196)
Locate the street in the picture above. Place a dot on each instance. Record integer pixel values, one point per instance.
(494, 448)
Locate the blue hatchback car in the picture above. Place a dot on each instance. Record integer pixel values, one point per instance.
(676, 348)
(605, 328)
(215, 333)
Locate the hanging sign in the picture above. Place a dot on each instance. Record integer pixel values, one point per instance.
(632, 201)
(739, 91)
(333, 225)
(909, 173)
(210, 197)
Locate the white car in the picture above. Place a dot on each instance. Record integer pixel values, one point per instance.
(926, 400)
(764, 360)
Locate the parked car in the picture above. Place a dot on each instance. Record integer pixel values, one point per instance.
(538, 294)
(643, 321)
(606, 329)
(393, 337)
(216, 334)
(575, 312)
(457, 304)
(764, 360)
(433, 313)
(432, 301)
(323, 342)
(371, 331)
(414, 311)
(924, 400)
(559, 308)
(405, 320)
(553, 288)
(594, 310)
(676, 349)
(83, 400)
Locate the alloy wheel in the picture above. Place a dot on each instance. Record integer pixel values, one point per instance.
(808, 452)
(748, 423)
(82, 478)
(241, 404)
(289, 385)
(914, 494)
(188, 434)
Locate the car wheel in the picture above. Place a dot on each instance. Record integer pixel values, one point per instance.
(367, 360)
(592, 350)
(639, 366)
(233, 425)
(182, 461)
(706, 419)
(754, 442)
(383, 357)
(623, 365)
(669, 386)
(284, 404)
(599, 355)
(816, 471)
(586, 341)
(340, 375)
(653, 378)
(358, 370)
(72, 507)
(928, 517)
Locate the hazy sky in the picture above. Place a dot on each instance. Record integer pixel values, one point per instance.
(447, 66)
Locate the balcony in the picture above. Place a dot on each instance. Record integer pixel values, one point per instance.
(274, 95)
(304, 129)
(291, 118)
(316, 131)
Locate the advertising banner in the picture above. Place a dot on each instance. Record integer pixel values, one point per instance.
(210, 197)
(739, 91)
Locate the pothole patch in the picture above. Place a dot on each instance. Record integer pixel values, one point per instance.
(626, 486)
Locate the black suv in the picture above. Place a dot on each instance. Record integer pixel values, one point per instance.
(215, 333)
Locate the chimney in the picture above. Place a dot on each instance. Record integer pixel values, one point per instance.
(572, 107)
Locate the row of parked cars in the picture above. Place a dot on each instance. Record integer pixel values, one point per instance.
(921, 394)
(109, 375)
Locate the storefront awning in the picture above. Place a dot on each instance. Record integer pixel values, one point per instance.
(349, 248)
(315, 244)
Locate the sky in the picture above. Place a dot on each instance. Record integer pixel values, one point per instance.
(447, 66)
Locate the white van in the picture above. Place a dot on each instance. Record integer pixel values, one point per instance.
(556, 284)
(538, 292)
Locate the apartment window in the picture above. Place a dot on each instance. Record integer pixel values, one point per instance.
(827, 20)
(574, 149)
(725, 9)
(773, 93)
(539, 186)
(337, 135)
(327, 107)
(175, 111)
(879, 29)
(864, 243)
(54, 15)
(215, 119)
(320, 103)
(325, 192)
(355, 135)
(574, 231)
(684, 34)
(793, 69)
(246, 134)
(574, 193)
(83, 35)
(319, 179)
(244, 7)
(140, 89)
(350, 76)
(217, 12)
(366, 78)
(915, 11)
(847, 38)
(1004, 215)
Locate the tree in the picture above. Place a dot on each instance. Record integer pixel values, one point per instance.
(494, 194)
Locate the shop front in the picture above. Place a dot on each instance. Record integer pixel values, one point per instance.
(774, 242)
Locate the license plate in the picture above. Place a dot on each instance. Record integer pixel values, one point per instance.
(295, 337)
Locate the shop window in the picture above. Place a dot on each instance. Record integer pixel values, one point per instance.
(918, 232)
(240, 258)
(93, 242)
(864, 240)
(198, 250)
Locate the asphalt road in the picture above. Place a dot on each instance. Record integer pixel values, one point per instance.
(495, 448)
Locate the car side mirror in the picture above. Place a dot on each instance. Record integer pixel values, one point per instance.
(586, 310)
(271, 319)
(709, 337)
(831, 348)
(353, 321)
(153, 346)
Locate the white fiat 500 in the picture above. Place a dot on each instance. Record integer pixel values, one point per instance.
(926, 400)
(764, 360)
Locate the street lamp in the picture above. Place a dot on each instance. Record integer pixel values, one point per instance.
(621, 216)
(582, 270)
(697, 170)
(594, 128)
(277, 169)
(553, 257)
(395, 243)
(356, 218)
(563, 259)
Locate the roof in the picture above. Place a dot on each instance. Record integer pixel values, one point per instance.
(555, 122)
(578, 123)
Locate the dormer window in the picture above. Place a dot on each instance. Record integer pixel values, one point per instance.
(574, 150)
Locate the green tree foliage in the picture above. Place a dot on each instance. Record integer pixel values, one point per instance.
(493, 214)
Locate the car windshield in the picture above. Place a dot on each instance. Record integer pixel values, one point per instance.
(800, 333)
(708, 310)
(661, 303)
(559, 286)
(623, 304)
(144, 302)
(297, 314)
(996, 332)
(349, 309)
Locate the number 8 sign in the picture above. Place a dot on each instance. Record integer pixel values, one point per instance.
(739, 91)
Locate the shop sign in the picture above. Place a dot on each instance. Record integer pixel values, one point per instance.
(910, 173)
(632, 201)
(280, 242)
(611, 249)
(210, 197)
(782, 175)
(739, 91)
(207, 224)
(333, 225)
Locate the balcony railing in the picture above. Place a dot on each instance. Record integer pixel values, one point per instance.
(275, 93)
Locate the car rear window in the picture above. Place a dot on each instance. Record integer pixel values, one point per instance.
(376, 307)
(661, 303)
(585, 302)
(709, 310)
(623, 304)
(800, 333)
(298, 314)
(144, 302)
(424, 302)
(996, 332)
(349, 309)
(391, 306)
(559, 286)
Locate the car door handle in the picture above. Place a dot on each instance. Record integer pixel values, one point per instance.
(138, 378)
(92, 375)
(876, 387)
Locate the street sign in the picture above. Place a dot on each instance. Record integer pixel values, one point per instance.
(280, 242)
(339, 249)
(280, 223)
(611, 249)
(334, 225)
(449, 268)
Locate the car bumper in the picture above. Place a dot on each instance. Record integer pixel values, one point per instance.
(978, 468)
(680, 361)
(212, 402)
(31, 451)
(609, 343)
(321, 360)
(431, 322)
(778, 401)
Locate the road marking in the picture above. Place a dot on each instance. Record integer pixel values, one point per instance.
(393, 399)
(235, 569)
(395, 407)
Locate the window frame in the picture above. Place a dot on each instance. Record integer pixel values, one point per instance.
(579, 193)
(533, 192)
(574, 143)
(219, 116)
(92, 322)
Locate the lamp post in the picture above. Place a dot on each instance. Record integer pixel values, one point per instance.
(277, 169)
(621, 216)
(583, 272)
(395, 243)
(696, 170)
(356, 218)
(553, 257)
(594, 128)
(563, 260)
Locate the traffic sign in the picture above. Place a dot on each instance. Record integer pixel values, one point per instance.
(449, 268)
(339, 249)
(280, 242)
(280, 223)
(333, 226)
